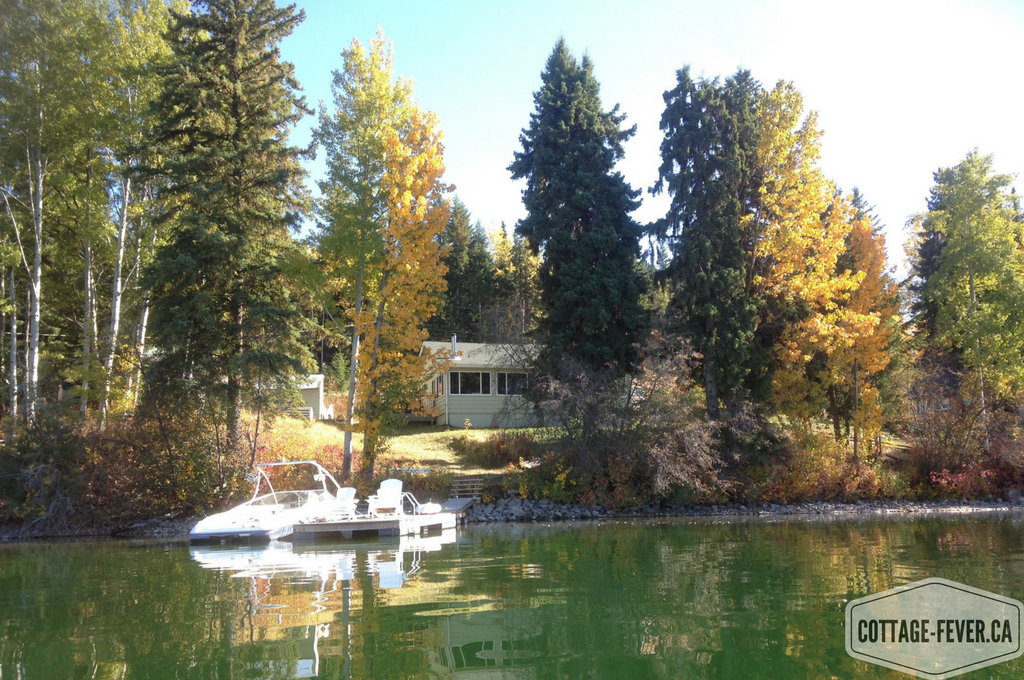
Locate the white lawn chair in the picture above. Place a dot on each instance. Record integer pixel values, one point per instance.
(347, 502)
(388, 500)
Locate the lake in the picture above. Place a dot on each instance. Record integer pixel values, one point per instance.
(670, 598)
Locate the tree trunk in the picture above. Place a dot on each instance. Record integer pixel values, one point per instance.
(135, 383)
(856, 425)
(24, 351)
(38, 172)
(12, 368)
(346, 463)
(833, 411)
(372, 432)
(710, 383)
(981, 363)
(115, 298)
(234, 424)
(87, 326)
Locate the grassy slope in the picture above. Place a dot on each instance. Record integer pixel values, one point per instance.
(414, 446)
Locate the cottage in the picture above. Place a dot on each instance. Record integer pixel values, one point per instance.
(484, 385)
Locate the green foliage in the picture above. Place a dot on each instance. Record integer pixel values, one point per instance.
(41, 472)
(552, 480)
(578, 217)
(708, 170)
(970, 291)
(471, 291)
(337, 371)
(224, 317)
(501, 448)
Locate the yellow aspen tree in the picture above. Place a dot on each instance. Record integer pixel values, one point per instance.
(870, 325)
(798, 232)
(382, 212)
(411, 278)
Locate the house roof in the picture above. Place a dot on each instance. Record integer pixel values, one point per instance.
(485, 354)
(310, 382)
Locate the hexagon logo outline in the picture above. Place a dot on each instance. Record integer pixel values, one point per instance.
(986, 627)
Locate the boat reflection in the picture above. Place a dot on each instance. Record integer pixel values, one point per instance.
(341, 603)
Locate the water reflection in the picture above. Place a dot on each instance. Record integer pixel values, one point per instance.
(309, 588)
(644, 599)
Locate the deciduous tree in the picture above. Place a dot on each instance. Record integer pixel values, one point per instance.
(976, 282)
(382, 214)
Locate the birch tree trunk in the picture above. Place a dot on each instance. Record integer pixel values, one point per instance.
(115, 299)
(135, 382)
(37, 170)
(12, 367)
(346, 463)
(87, 326)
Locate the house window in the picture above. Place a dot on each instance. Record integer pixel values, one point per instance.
(470, 382)
(512, 383)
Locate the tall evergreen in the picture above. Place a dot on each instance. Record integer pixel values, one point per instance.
(708, 170)
(224, 319)
(578, 216)
(470, 280)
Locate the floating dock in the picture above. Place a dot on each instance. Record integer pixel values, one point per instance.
(452, 513)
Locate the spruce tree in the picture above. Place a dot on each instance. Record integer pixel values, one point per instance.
(223, 317)
(470, 293)
(578, 216)
(707, 168)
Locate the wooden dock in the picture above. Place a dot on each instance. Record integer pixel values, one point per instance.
(452, 513)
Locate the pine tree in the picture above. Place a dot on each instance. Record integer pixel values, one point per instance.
(224, 319)
(578, 217)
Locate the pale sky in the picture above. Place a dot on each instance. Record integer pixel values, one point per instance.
(901, 88)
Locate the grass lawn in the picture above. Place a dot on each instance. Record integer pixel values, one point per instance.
(428, 446)
(413, 446)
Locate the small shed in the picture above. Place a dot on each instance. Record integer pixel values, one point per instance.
(484, 387)
(311, 388)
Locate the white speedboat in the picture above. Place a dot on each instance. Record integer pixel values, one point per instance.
(272, 515)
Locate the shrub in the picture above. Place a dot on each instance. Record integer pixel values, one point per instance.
(42, 471)
(970, 482)
(498, 450)
(817, 467)
(623, 440)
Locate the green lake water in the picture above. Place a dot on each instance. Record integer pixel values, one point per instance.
(646, 599)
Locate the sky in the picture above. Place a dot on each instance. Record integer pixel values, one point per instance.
(901, 88)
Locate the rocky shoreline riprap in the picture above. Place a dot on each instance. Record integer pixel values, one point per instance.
(514, 509)
(525, 510)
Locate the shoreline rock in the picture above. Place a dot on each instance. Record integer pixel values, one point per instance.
(518, 510)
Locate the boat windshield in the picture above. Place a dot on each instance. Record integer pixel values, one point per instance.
(286, 499)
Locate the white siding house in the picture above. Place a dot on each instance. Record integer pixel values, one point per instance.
(483, 386)
(312, 390)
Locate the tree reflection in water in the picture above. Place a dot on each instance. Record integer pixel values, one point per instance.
(644, 599)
